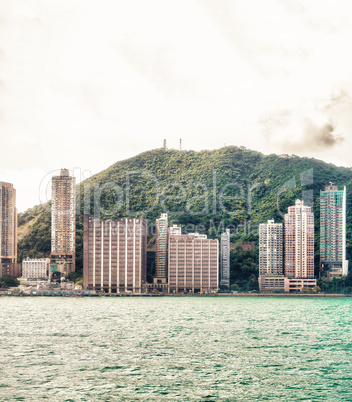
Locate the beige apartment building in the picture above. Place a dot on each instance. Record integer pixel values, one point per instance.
(114, 255)
(193, 263)
(8, 231)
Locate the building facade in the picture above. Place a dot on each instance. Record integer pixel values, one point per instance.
(270, 248)
(63, 222)
(225, 259)
(161, 247)
(35, 268)
(333, 232)
(272, 283)
(193, 263)
(114, 255)
(299, 241)
(271, 278)
(8, 231)
(295, 285)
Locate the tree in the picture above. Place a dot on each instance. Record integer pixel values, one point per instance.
(74, 276)
(8, 281)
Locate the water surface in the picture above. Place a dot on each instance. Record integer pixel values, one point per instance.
(168, 348)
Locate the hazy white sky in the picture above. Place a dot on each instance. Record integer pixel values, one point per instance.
(85, 83)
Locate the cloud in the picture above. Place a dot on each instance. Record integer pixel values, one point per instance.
(290, 132)
(317, 137)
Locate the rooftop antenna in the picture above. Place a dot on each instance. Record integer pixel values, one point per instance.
(180, 144)
(164, 144)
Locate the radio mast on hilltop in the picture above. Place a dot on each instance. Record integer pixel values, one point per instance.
(180, 144)
(164, 146)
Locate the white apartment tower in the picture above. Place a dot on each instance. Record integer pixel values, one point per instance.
(270, 248)
(225, 259)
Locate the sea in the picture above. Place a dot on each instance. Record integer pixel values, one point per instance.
(175, 348)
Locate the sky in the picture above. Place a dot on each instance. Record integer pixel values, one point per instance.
(86, 83)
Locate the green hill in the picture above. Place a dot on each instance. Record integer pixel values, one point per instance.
(205, 191)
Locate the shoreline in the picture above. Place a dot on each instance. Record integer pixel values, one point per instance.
(323, 295)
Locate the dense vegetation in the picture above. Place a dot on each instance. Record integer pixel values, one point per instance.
(8, 281)
(203, 191)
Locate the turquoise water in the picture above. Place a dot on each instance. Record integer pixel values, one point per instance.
(107, 349)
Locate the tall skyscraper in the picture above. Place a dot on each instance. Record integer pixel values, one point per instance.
(8, 231)
(193, 263)
(225, 259)
(270, 248)
(161, 246)
(114, 255)
(333, 232)
(63, 222)
(299, 241)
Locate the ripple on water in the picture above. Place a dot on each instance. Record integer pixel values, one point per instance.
(175, 349)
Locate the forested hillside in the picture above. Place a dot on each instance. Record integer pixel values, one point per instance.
(205, 191)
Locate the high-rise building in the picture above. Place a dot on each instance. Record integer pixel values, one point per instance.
(8, 231)
(35, 268)
(114, 255)
(270, 248)
(225, 259)
(193, 263)
(299, 241)
(333, 232)
(271, 278)
(63, 222)
(161, 247)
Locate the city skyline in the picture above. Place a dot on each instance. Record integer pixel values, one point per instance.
(186, 166)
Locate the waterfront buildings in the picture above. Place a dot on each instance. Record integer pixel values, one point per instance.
(299, 247)
(295, 285)
(272, 283)
(225, 259)
(63, 222)
(114, 255)
(35, 268)
(271, 256)
(270, 248)
(333, 232)
(299, 241)
(8, 231)
(161, 248)
(193, 263)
